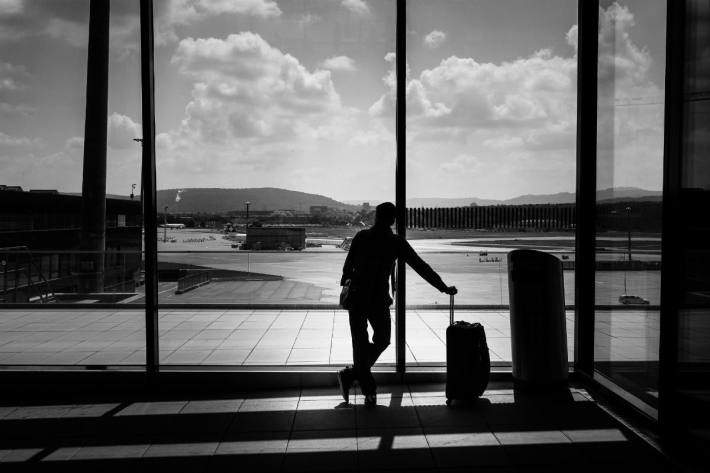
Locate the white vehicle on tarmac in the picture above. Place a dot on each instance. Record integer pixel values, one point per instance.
(626, 299)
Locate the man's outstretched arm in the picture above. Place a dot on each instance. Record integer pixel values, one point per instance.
(424, 270)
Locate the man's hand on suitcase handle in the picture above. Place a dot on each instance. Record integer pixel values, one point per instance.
(451, 290)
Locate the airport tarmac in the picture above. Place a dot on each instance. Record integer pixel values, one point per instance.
(312, 276)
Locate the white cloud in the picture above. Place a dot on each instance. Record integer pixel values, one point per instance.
(68, 21)
(519, 116)
(9, 83)
(13, 141)
(434, 39)
(58, 20)
(462, 164)
(12, 77)
(258, 115)
(339, 63)
(122, 130)
(630, 121)
(371, 138)
(308, 19)
(249, 96)
(461, 94)
(356, 6)
(16, 109)
(244, 87)
(75, 34)
(11, 7)
(184, 12)
(187, 11)
(75, 143)
(533, 93)
(59, 170)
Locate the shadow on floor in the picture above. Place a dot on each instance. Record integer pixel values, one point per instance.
(304, 430)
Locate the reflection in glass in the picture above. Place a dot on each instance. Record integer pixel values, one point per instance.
(629, 194)
(694, 310)
(70, 214)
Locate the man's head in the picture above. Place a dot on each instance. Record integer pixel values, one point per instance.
(385, 214)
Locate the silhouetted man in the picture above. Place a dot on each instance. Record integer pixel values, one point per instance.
(368, 267)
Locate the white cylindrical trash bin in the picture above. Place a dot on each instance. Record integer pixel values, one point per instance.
(537, 318)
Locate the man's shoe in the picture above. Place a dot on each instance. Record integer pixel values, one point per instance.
(371, 400)
(344, 382)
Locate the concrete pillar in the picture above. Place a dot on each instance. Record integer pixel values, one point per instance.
(93, 190)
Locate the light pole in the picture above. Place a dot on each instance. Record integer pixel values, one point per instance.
(165, 225)
(140, 140)
(628, 224)
(247, 203)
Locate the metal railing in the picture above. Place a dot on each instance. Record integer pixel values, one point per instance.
(296, 279)
(192, 280)
(22, 277)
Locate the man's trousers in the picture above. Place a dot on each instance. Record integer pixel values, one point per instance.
(365, 354)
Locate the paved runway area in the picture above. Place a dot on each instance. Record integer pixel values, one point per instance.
(280, 337)
(315, 279)
(313, 276)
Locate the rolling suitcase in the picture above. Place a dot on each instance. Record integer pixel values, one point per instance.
(468, 364)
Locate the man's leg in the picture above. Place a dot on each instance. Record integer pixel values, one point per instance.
(381, 333)
(361, 350)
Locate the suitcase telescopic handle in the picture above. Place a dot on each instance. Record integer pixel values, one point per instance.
(451, 309)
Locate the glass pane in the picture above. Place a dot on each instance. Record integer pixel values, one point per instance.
(629, 194)
(694, 330)
(275, 134)
(491, 123)
(62, 241)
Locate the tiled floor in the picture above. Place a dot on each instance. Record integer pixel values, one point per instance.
(305, 430)
(280, 337)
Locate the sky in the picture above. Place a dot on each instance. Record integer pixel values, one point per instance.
(299, 94)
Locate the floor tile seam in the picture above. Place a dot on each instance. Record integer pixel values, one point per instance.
(332, 334)
(259, 341)
(421, 426)
(78, 362)
(292, 427)
(432, 330)
(629, 427)
(290, 352)
(489, 426)
(178, 347)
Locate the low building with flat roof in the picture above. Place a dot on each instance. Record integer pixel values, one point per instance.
(275, 238)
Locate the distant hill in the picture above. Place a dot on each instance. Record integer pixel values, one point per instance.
(629, 193)
(210, 200)
(415, 202)
(358, 203)
(605, 195)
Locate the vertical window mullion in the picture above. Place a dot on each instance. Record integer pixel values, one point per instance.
(401, 178)
(587, 58)
(672, 229)
(148, 192)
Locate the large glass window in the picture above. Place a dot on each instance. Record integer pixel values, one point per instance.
(693, 327)
(491, 120)
(629, 194)
(275, 139)
(70, 230)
